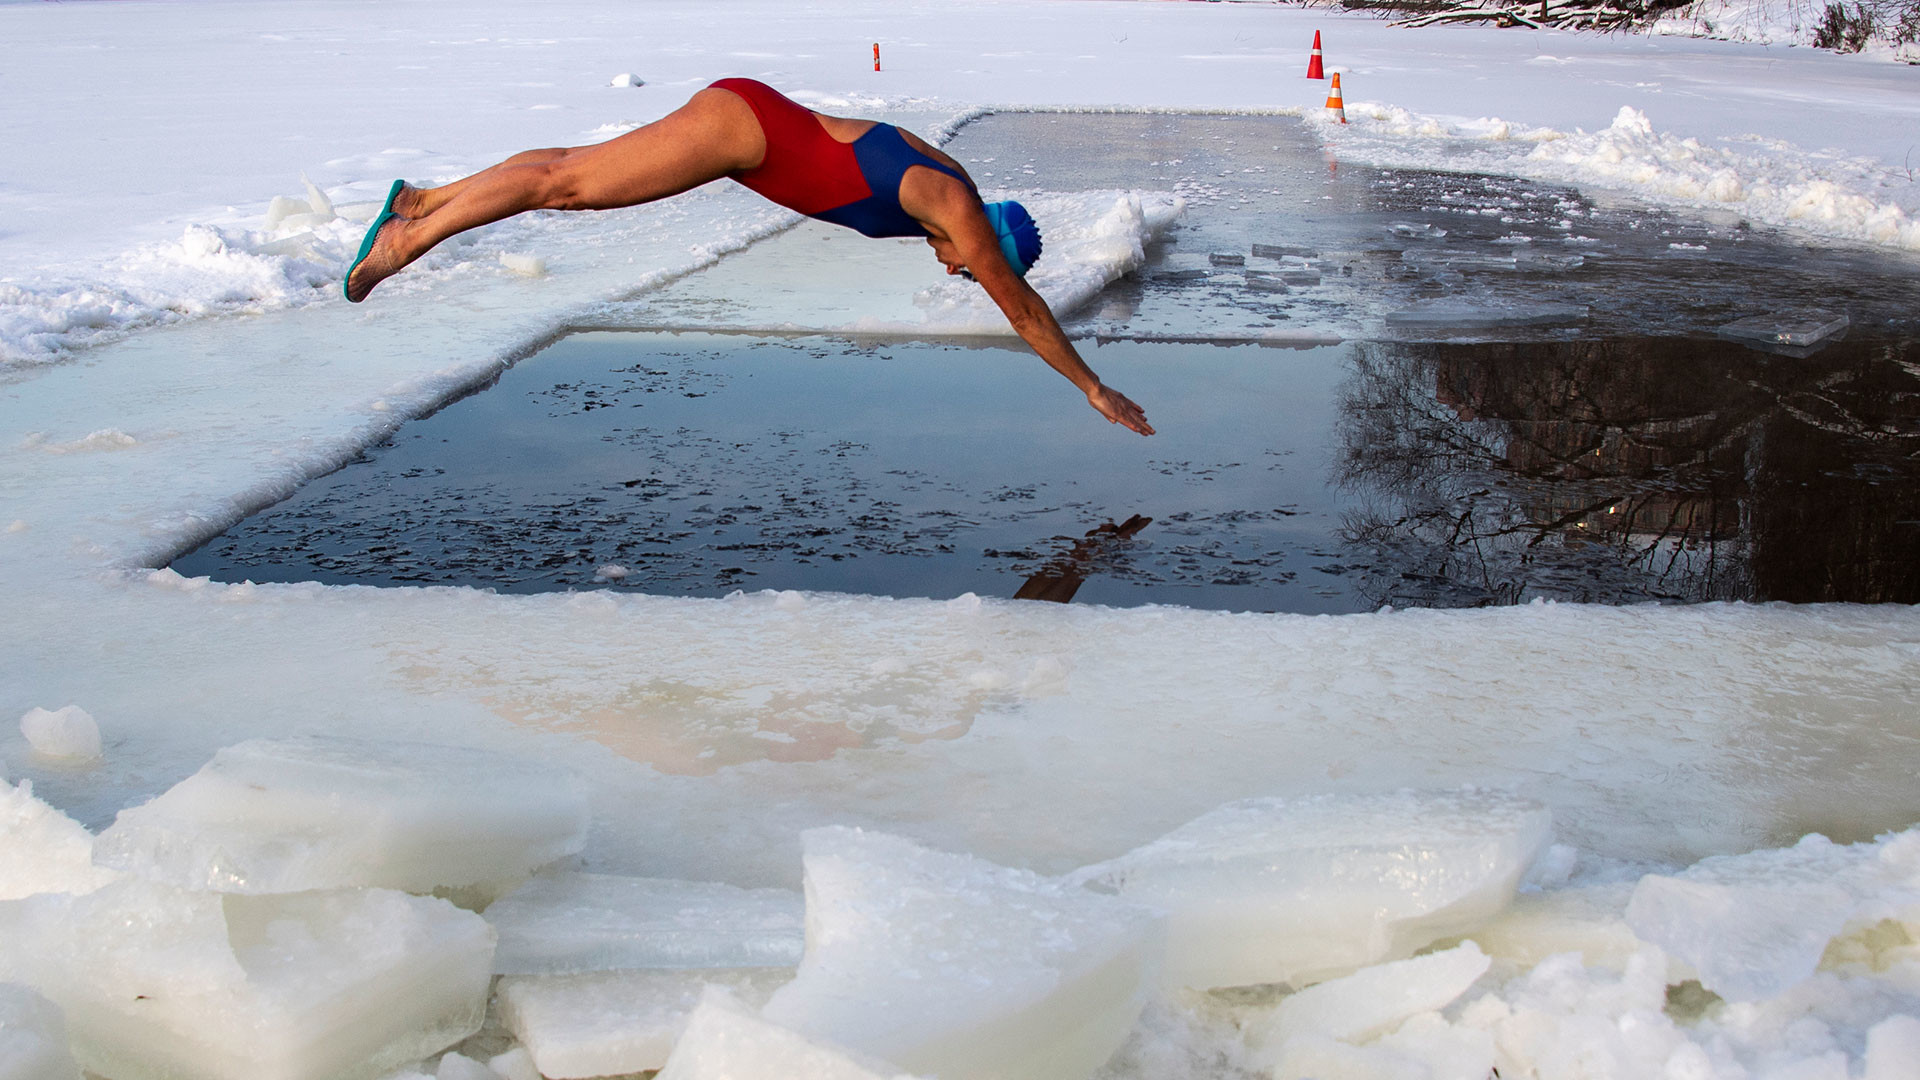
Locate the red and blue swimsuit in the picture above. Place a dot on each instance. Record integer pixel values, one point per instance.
(855, 184)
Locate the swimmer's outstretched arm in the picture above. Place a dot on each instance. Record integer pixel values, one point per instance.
(964, 239)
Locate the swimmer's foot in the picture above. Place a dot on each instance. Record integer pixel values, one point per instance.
(377, 260)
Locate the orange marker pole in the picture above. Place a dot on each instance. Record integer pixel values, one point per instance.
(876, 56)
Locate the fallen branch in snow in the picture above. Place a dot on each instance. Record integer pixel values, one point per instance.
(1499, 15)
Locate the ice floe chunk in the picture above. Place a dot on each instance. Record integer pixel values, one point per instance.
(69, 733)
(950, 965)
(1296, 890)
(514, 1064)
(1372, 1001)
(571, 922)
(1755, 925)
(455, 1066)
(524, 265)
(1797, 330)
(45, 850)
(1468, 314)
(285, 815)
(33, 1037)
(618, 1022)
(627, 79)
(1590, 920)
(160, 983)
(723, 1041)
(1893, 1049)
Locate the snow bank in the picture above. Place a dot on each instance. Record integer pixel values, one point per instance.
(1754, 926)
(1299, 890)
(953, 966)
(286, 815)
(1762, 180)
(156, 982)
(1091, 239)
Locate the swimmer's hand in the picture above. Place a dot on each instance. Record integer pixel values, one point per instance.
(1118, 408)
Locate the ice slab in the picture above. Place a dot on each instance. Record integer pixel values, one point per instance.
(1226, 258)
(1271, 283)
(1281, 251)
(614, 1023)
(953, 966)
(569, 922)
(33, 1037)
(69, 733)
(1755, 925)
(454, 1066)
(45, 850)
(158, 983)
(1893, 1049)
(1799, 330)
(723, 1041)
(1372, 1001)
(285, 815)
(1464, 313)
(1442, 258)
(1588, 920)
(1296, 890)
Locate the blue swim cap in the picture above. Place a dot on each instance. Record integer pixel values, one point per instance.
(1019, 236)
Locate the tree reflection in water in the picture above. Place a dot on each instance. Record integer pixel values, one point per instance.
(1664, 469)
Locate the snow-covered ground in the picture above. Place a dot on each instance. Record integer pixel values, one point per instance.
(174, 352)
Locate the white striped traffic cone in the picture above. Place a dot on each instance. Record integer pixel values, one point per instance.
(1336, 108)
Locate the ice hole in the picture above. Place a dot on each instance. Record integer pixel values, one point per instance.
(1581, 434)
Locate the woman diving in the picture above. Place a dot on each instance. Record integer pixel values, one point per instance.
(868, 176)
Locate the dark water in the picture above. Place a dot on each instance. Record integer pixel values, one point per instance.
(1320, 480)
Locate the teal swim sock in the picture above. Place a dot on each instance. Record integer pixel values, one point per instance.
(373, 230)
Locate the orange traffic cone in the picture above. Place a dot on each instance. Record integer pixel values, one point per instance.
(1336, 108)
(1313, 62)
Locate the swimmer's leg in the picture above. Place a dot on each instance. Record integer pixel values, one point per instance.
(714, 134)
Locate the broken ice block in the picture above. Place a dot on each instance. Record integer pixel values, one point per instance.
(1447, 258)
(949, 965)
(69, 734)
(158, 983)
(461, 1067)
(1798, 330)
(1755, 925)
(725, 1042)
(1296, 890)
(45, 850)
(285, 815)
(1265, 282)
(1281, 251)
(1371, 1001)
(1226, 258)
(1298, 277)
(568, 922)
(1463, 314)
(1547, 260)
(33, 1037)
(617, 1022)
(1589, 920)
(1416, 230)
